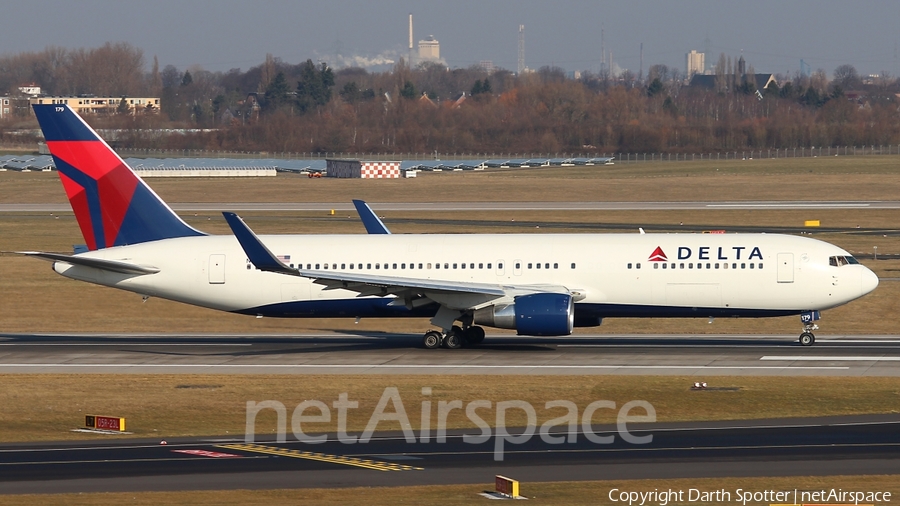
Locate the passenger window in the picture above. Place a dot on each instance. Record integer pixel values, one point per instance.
(403, 266)
(351, 267)
(556, 266)
(707, 266)
(437, 266)
(743, 266)
(665, 265)
(538, 266)
(691, 265)
(529, 265)
(734, 266)
(395, 266)
(656, 266)
(317, 266)
(717, 265)
(420, 266)
(454, 266)
(573, 265)
(760, 265)
(518, 265)
(377, 266)
(481, 266)
(638, 266)
(447, 266)
(751, 265)
(429, 265)
(629, 266)
(344, 266)
(681, 266)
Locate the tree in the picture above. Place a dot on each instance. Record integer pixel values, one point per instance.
(169, 76)
(123, 108)
(656, 87)
(846, 76)
(408, 90)
(314, 86)
(276, 93)
(350, 92)
(187, 79)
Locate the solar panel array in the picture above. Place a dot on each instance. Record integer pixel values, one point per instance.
(45, 162)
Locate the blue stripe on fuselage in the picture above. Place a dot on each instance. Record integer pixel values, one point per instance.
(374, 308)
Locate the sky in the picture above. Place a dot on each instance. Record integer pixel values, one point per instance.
(218, 35)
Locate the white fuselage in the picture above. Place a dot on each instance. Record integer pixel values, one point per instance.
(690, 275)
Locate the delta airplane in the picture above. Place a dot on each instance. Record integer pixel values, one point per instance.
(537, 285)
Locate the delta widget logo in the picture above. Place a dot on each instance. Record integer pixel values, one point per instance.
(658, 255)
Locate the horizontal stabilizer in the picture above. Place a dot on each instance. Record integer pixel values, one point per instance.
(96, 263)
(256, 251)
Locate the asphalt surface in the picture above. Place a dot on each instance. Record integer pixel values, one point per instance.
(377, 353)
(817, 447)
(487, 206)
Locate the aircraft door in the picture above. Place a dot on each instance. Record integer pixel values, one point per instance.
(217, 269)
(785, 267)
(517, 267)
(500, 269)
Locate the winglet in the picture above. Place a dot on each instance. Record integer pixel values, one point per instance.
(256, 251)
(370, 220)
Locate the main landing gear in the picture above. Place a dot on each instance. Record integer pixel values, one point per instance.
(455, 338)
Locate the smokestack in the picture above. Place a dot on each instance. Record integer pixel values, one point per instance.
(409, 62)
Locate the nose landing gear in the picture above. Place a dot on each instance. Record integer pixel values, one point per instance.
(808, 318)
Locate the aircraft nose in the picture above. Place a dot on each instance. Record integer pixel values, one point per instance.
(868, 281)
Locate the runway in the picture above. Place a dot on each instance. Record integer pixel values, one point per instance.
(378, 353)
(790, 447)
(489, 206)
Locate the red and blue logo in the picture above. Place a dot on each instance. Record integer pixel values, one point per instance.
(111, 203)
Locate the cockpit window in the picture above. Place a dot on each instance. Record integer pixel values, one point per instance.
(838, 261)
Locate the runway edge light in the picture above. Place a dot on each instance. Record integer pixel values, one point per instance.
(114, 423)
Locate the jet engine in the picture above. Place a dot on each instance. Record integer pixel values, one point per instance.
(539, 314)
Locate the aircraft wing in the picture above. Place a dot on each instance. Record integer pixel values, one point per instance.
(96, 263)
(409, 291)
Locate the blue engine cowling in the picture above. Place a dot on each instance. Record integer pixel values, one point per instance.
(539, 314)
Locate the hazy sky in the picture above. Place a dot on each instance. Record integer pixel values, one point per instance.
(223, 34)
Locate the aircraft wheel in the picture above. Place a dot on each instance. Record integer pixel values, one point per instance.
(807, 339)
(453, 340)
(432, 340)
(475, 335)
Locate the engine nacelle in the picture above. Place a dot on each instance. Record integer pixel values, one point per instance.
(539, 314)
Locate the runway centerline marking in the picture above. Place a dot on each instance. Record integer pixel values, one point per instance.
(793, 205)
(414, 366)
(811, 358)
(320, 457)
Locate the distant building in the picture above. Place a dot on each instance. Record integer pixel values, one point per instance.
(695, 63)
(5, 109)
(429, 49)
(102, 105)
(487, 66)
(709, 81)
(30, 89)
